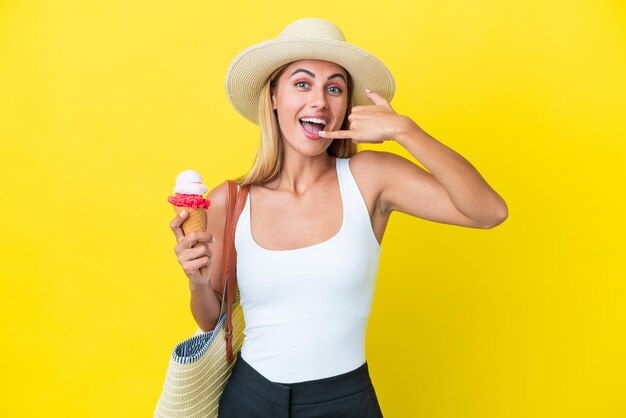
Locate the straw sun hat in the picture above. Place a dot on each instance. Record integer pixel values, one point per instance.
(303, 39)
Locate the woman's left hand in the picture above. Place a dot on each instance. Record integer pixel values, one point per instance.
(372, 124)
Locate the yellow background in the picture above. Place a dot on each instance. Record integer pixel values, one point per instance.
(102, 103)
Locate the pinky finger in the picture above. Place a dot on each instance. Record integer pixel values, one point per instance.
(193, 266)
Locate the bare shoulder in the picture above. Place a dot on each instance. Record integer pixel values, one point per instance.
(216, 219)
(387, 165)
(389, 176)
(219, 195)
(364, 160)
(372, 168)
(216, 214)
(368, 169)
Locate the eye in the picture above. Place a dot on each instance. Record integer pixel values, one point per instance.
(335, 90)
(302, 84)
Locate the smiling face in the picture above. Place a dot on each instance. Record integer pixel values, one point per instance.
(309, 96)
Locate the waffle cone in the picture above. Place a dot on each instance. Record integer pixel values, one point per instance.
(196, 221)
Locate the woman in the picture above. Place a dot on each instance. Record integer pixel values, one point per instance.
(308, 239)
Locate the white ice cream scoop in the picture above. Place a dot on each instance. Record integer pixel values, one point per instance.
(190, 182)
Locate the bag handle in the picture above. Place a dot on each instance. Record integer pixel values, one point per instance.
(236, 202)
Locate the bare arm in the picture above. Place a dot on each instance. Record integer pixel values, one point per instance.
(451, 191)
(200, 255)
(456, 191)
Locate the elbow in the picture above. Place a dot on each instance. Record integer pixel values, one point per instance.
(207, 326)
(499, 215)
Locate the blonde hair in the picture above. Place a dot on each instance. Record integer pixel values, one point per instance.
(269, 157)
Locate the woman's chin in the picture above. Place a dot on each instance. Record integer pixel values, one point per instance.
(309, 147)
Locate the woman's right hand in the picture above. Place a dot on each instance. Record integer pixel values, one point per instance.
(192, 250)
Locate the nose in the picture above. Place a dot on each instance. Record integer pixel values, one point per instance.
(318, 99)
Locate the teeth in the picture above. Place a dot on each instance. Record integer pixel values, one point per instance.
(314, 120)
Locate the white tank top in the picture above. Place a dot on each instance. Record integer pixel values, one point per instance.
(306, 309)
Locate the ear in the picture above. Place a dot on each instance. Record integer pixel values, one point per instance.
(273, 96)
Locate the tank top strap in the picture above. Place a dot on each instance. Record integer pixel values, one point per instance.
(355, 208)
(243, 231)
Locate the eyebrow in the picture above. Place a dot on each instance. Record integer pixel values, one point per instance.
(302, 70)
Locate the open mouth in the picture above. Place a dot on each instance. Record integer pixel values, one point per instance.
(313, 126)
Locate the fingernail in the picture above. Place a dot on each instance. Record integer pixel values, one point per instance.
(321, 133)
(368, 91)
(182, 213)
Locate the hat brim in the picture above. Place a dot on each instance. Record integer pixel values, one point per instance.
(249, 71)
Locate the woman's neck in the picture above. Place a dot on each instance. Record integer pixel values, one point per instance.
(299, 172)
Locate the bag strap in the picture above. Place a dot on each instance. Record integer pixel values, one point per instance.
(236, 202)
(228, 230)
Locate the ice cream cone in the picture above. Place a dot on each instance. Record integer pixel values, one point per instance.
(188, 196)
(196, 220)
